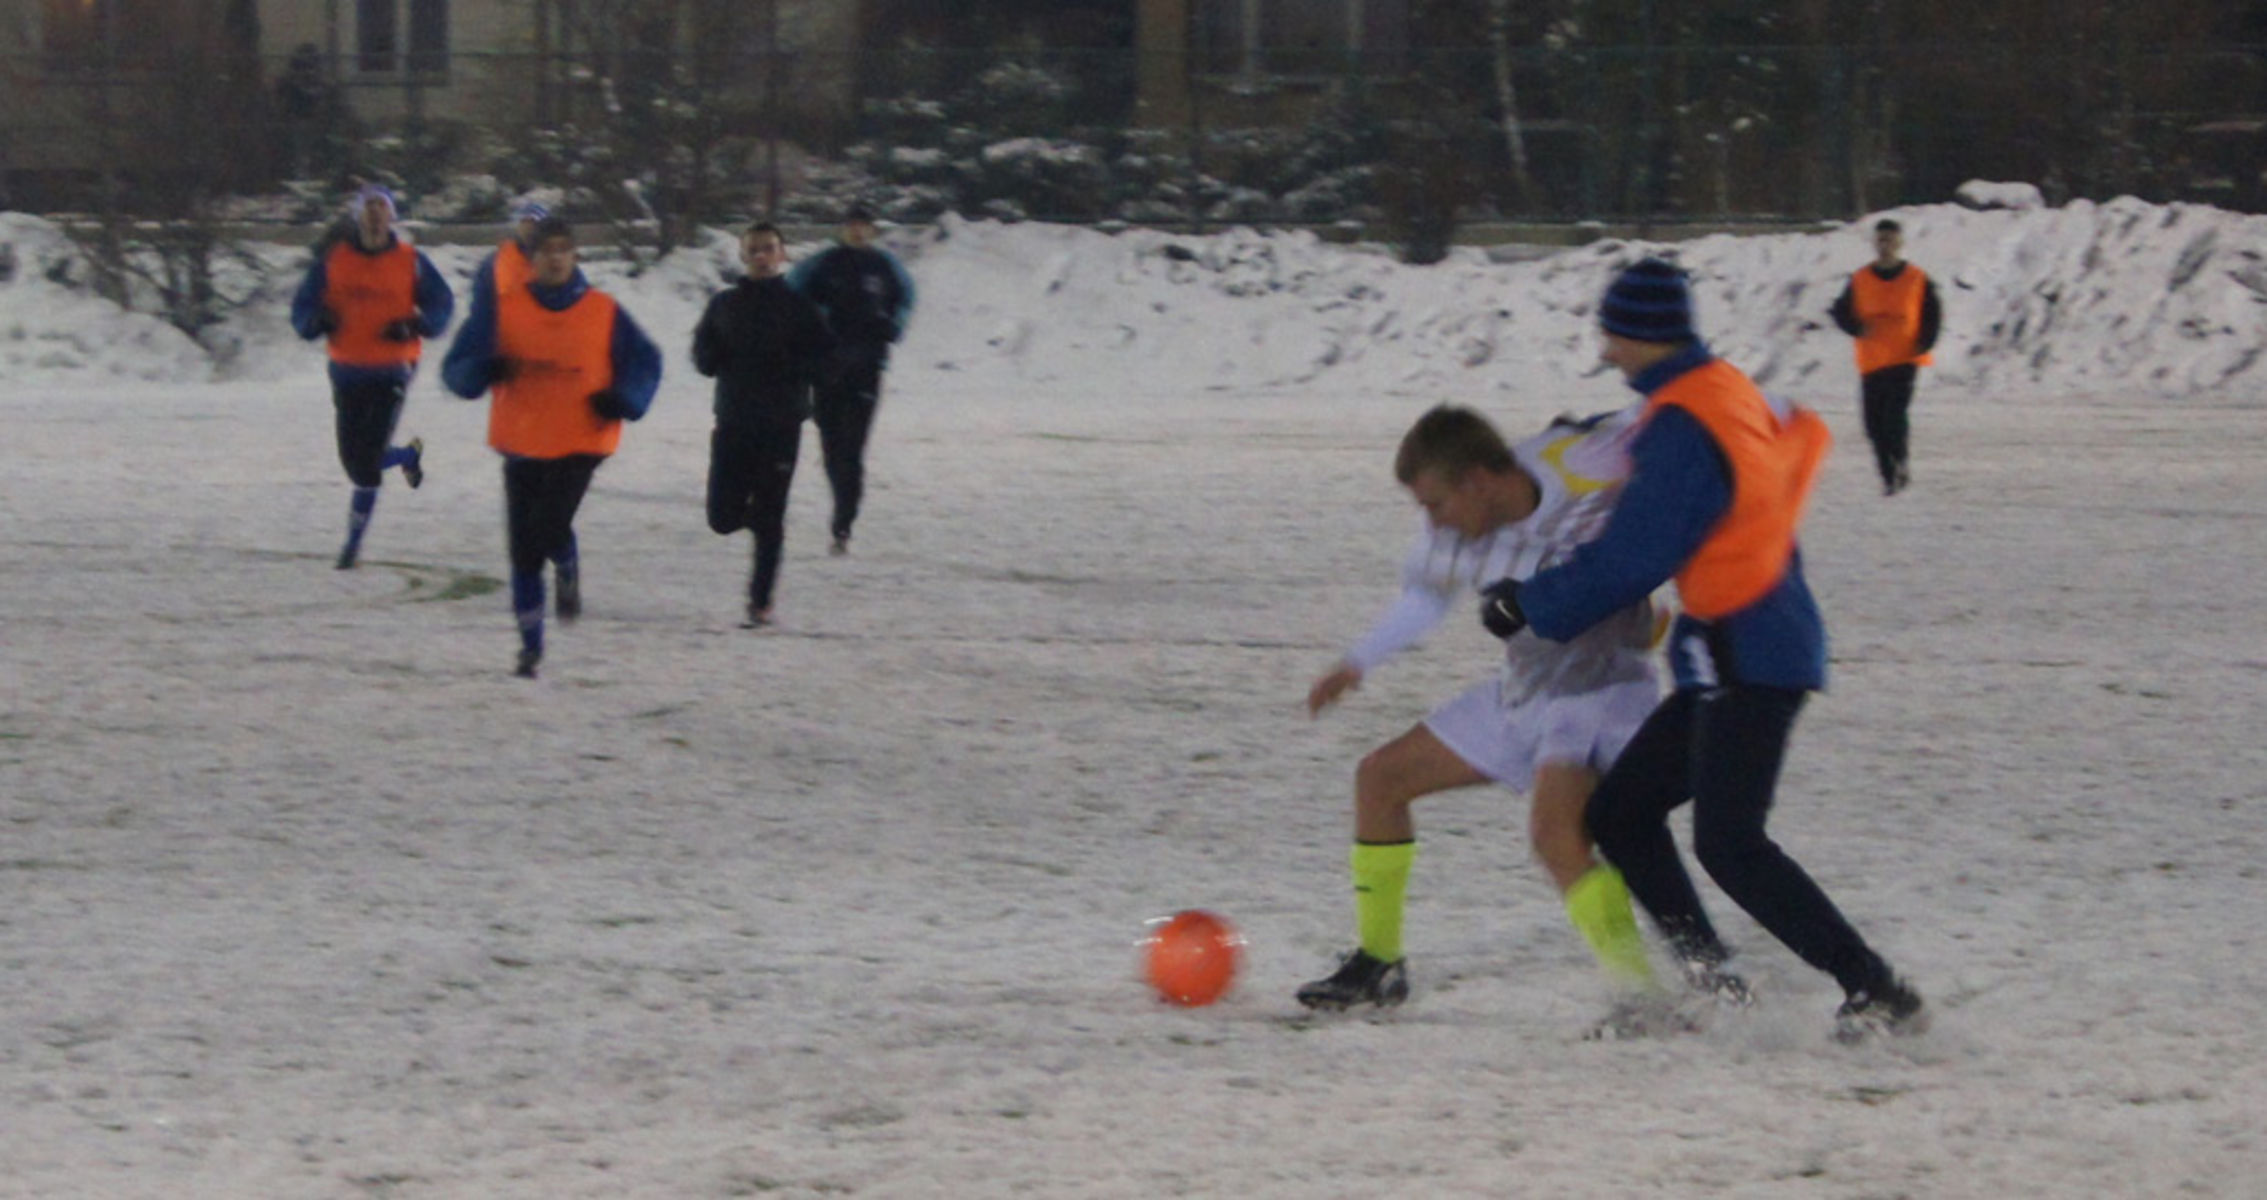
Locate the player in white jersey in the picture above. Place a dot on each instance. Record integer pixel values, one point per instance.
(1549, 722)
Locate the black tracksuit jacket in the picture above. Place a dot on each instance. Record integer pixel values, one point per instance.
(764, 345)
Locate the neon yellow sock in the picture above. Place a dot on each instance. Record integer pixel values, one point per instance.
(1598, 905)
(1381, 879)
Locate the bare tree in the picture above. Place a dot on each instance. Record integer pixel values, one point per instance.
(1507, 100)
(172, 150)
(670, 87)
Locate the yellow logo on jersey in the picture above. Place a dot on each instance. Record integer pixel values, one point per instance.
(1581, 485)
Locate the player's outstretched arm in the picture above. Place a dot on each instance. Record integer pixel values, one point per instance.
(1326, 690)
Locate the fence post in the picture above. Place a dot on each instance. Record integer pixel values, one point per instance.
(771, 109)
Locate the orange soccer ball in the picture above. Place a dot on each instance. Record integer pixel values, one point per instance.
(1191, 958)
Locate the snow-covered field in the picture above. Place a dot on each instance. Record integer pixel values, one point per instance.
(302, 895)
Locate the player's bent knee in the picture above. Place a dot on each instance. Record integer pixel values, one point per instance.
(1382, 780)
(1732, 852)
(1611, 826)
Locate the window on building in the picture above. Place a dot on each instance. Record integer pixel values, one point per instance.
(1218, 30)
(1304, 37)
(1300, 37)
(1385, 36)
(88, 35)
(377, 35)
(429, 36)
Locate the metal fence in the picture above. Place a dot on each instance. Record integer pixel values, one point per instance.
(1408, 141)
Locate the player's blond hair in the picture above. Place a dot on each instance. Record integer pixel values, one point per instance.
(1453, 441)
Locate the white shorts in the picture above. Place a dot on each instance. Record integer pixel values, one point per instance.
(1588, 729)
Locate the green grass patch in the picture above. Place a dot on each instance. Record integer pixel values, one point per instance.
(464, 585)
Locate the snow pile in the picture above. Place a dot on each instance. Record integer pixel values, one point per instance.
(2093, 298)
(53, 326)
(2086, 298)
(1982, 193)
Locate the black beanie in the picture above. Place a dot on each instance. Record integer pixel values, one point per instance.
(1648, 302)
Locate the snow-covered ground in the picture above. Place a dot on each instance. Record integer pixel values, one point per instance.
(301, 894)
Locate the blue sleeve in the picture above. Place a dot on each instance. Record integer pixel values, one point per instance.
(470, 365)
(435, 302)
(637, 364)
(484, 283)
(1679, 487)
(307, 302)
(799, 275)
(904, 311)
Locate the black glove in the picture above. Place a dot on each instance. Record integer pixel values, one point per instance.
(502, 370)
(1499, 608)
(610, 405)
(404, 330)
(326, 323)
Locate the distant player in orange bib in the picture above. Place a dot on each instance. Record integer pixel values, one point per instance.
(506, 270)
(374, 299)
(1890, 307)
(563, 366)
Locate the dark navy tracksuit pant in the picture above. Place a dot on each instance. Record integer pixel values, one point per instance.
(751, 468)
(844, 407)
(368, 409)
(1887, 397)
(1720, 748)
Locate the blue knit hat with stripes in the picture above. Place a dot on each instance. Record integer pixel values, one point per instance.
(375, 193)
(1649, 302)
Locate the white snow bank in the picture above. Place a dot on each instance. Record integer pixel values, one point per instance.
(2108, 298)
(1982, 193)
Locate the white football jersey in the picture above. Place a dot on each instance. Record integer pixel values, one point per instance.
(1579, 468)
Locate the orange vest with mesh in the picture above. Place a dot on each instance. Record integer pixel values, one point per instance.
(1890, 312)
(367, 292)
(1773, 464)
(558, 359)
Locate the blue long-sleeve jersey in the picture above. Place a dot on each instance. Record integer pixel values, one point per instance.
(436, 304)
(864, 293)
(1680, 486)
(470, 366)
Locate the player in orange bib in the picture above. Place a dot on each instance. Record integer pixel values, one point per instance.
(506, 269)
(563, 367)
(1718, 479)
(374, 299)
(1890, 307)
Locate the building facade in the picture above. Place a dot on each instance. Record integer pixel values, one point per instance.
(93, 87)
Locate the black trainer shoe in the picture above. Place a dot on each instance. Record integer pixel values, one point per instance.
(841, 545)
(1893, 1009)
(758, 616)
(1717, 982)
(413, 470)
(346, 557)
(526, 667)
(567, 600)
(1360, 979)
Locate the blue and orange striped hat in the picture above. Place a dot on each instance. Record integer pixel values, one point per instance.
(1649, 302)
